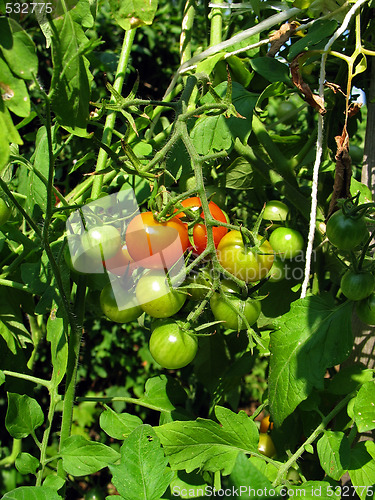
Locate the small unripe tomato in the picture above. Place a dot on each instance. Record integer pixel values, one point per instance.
(266, 446)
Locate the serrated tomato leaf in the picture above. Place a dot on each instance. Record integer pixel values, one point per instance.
(313, 336)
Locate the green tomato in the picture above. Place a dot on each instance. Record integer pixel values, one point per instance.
(156, 297)
(287, 243)
(345, 232)
(357, 286)
(171, 346)
(223, 311)
(101, 242)
(275, 210)
(95, 494)
(5, 212)
(244, 263)
(129, 308)
(277, 271)
(366, 310)
(266, 446)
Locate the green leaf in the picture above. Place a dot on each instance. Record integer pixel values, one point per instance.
(362, 468)
(13, 91)
(81, 457)
(271, 69)
(163, 393)
(26, 463)
(317, 34)
(313, 336)
(364, 407)
(239, 175)
(72, 90)
(18, 49)
(59, 347)
(361, 66)
(348, 379)
(239, 70)
(188, 485)
(130, 14)
(276, 88)
(37, 190)
(32, 493)
(2, 377)
(118, 425)
(207, 65)
(334, 454)
(143, 473)
(215, 133)
(248, 479)
(365, 195)
(206, 445)
(23, 416)
(8, 134)
(54, 482)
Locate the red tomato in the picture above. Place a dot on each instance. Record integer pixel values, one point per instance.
(121, 262)
(156, 245)
(200, 230)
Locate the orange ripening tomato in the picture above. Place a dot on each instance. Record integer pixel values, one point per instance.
(120, 263)
(156, 245)
(200, 230)
(265, 425)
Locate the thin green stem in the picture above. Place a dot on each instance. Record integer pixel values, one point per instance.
(16, 450)
(30, 378)
(43, 448)
(285, 467)
(111, 117)
(14, 284)
(72, 366)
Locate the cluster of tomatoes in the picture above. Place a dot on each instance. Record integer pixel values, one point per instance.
(347, 230)
(142, 268)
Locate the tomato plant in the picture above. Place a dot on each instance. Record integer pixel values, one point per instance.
(357, 285)
(156, 297)
(121, 309)
(153, 244)
(287, 243)
(171, 346)
(266, 446)
(186, 105)
(228, 312)
(200, 230)
(275, 210)
(345, 232)
(249, 264)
